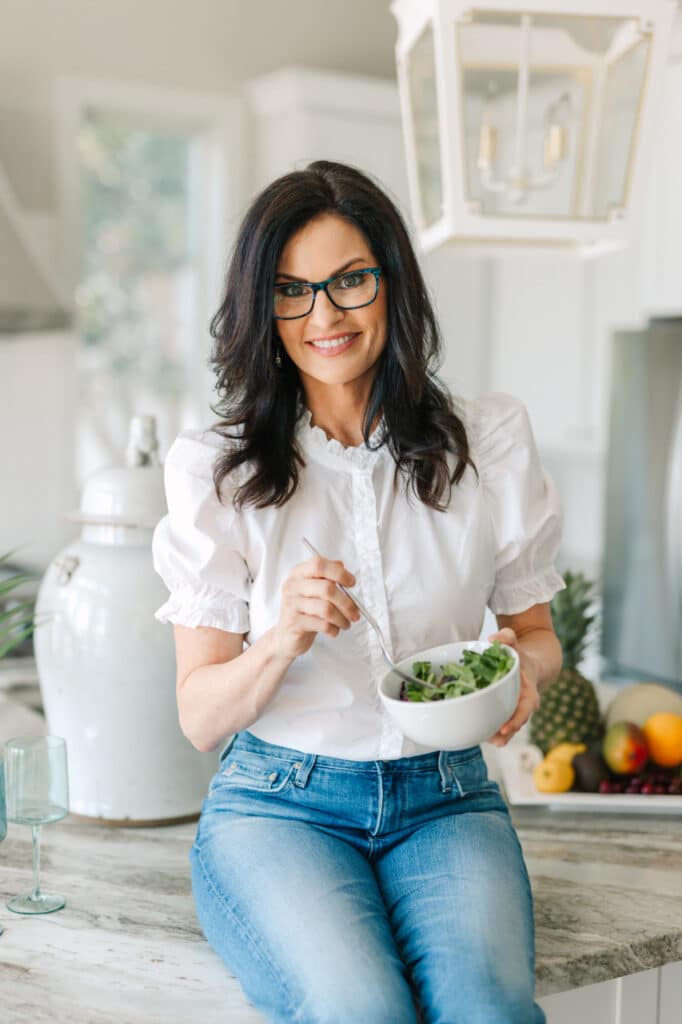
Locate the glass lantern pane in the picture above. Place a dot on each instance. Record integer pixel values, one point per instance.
(421, 73)
(538, 95)
(623, 88)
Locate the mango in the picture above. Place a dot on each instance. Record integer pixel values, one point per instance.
(624, 748)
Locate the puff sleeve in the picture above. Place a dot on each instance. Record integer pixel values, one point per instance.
(198, 548)
(523, 505)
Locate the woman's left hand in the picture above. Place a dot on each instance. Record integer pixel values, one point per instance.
(529, 698)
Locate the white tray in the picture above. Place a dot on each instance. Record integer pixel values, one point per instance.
(516, 768)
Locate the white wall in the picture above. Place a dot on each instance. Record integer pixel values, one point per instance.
(37, 482)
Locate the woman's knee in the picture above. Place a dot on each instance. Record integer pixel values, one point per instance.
(377, 1003)
(480, 998)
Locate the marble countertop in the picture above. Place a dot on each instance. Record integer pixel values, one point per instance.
(127, 946)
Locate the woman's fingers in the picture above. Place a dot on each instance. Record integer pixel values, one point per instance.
(325, 590)
(529, 701)
(313, 624)
(324, 568)
(321, 608)
(505, 636)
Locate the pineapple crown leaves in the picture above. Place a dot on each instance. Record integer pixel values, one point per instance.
(17, 622)
(573, 617)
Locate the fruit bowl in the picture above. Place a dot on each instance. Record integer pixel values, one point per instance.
(458, 722)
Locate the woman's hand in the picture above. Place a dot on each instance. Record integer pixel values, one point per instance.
(529, 698)
(311, 604)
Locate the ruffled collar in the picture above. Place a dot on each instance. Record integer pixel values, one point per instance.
(330, 451)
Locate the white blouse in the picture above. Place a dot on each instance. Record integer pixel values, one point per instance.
(427, 576)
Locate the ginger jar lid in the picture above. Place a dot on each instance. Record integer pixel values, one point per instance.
(130, 495)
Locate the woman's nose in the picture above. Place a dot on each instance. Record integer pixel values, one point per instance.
(324, 312)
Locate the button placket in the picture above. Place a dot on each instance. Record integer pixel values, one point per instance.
(373, 593)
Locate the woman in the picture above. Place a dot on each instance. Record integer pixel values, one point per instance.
(342, 872)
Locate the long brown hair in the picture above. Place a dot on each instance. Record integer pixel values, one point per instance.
(263, 401)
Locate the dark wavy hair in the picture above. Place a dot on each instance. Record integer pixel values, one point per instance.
(421, 427)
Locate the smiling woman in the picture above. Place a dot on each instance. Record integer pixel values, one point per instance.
(341, 870)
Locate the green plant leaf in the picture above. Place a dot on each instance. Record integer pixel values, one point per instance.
(6, 586)
(6, 646)
(24, 605)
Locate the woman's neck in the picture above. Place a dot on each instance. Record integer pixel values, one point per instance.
(340, 416)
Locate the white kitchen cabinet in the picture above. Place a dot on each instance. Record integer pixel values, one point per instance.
(648, 997)
(670, 994)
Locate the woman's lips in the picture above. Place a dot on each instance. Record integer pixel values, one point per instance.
(335, 346)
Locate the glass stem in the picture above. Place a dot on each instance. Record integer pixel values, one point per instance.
(36, 895)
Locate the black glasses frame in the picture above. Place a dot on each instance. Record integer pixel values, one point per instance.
(318, 286)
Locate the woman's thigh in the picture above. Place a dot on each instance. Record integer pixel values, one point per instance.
(460, 905)
(297, 916)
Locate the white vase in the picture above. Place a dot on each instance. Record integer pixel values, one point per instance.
(106, 667)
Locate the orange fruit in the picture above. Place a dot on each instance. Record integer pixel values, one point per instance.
(663, 733)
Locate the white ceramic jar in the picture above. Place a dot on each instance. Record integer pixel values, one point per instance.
(106, 667)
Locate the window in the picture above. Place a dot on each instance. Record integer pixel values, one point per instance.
(146, 213)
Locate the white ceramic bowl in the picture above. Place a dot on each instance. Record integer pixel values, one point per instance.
(458, 722)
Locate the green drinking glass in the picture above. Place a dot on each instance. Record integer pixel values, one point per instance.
(37, 793)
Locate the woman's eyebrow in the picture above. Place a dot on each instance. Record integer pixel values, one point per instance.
(292, 277)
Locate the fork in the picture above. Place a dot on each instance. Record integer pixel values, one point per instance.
(375, 626)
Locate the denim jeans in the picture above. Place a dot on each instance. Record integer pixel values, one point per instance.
(365, 892)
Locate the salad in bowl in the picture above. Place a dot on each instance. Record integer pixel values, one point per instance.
(470, 688)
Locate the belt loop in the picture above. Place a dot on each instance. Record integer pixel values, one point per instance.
(445, 772)
(303, 769)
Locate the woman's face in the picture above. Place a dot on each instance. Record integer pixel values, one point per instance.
(323, 248)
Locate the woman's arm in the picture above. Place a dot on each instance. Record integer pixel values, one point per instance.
(221, 688)
(532, 634)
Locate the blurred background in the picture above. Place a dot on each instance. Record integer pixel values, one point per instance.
(133, 136)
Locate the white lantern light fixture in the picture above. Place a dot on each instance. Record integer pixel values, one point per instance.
(529, 126)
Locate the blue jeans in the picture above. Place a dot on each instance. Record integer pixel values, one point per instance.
(365, 892)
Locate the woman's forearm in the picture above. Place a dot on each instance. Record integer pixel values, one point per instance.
(542, 650)
(215, 701)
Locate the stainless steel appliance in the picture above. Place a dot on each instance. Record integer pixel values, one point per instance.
(642, 599)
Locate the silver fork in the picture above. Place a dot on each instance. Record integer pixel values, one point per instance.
(375, 626)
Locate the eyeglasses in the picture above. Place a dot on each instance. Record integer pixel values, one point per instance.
(351, 290)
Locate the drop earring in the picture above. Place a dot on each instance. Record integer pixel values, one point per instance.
(278, 358)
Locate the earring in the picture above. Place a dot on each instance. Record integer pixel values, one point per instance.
(278, 358)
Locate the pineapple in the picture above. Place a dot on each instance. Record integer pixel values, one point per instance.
(569, 709)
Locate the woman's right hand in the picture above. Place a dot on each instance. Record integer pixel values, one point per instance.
(311, 604)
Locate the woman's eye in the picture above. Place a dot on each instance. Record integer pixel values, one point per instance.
(292, 291)
(352, 280)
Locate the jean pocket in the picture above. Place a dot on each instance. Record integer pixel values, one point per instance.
(246, 770)
(470, 775)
